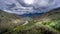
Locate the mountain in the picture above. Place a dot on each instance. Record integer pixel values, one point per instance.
(9, 21)
(47, 23)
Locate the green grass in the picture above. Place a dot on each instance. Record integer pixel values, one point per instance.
(54, 22)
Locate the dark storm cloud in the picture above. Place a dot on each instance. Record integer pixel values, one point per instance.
(19, 7)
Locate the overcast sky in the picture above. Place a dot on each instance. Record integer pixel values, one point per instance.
(19, 7)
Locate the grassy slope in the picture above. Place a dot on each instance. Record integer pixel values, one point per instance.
(48, 23)
(8, 21)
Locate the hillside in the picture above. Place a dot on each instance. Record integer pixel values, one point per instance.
(9, 21)
(48, 23)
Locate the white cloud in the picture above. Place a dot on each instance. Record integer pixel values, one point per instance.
(29, 1)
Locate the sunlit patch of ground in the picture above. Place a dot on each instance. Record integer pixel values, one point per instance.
(17, 21)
